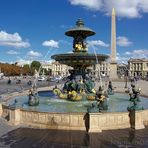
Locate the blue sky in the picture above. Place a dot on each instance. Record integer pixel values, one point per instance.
(34, 29)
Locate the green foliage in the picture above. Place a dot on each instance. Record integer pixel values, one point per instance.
(35, 65)
(26, 69)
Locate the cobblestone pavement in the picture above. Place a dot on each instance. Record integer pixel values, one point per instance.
(23, 137)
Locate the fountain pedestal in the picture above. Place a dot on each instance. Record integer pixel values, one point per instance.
(15, 116)
(136, 120)
(93, 123)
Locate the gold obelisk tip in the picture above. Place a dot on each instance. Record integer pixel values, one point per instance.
(113, 11)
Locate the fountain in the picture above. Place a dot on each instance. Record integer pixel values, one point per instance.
(77, 106)
(80, 84)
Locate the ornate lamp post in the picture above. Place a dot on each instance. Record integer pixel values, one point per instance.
(126, 77)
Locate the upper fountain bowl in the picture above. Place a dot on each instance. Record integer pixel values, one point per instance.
(80, 29)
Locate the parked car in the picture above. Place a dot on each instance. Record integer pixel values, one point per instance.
(56, 79)
(41, 78)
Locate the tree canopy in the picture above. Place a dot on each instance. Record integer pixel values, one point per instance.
(35, 65)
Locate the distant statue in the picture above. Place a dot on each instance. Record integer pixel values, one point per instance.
(110, 88)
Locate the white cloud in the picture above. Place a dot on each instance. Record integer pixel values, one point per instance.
(32, 53)
(51, 43)
(128, 53)
(12, 52)
(141, 51)
(122, 59)
(97, 43)
(13, 40)
(123, 41)
(136, 54)
(90, 4)
(124, 8)
(22, 62)
(46, 62)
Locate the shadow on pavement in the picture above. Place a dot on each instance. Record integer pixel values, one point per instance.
(43, 138)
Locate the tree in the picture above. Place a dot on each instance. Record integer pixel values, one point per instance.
(10, 69)
(35, 65)
(26, 69)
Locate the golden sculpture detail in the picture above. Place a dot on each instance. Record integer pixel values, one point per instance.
(73, 95)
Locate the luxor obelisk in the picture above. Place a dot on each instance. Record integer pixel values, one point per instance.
(113, 63)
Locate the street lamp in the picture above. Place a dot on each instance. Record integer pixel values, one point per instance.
(126, 76)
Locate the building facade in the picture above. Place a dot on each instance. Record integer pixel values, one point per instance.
(102, 69)
(122, 70)
(138, 67)
(55, 68)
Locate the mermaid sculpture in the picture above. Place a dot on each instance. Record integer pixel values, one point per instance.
(101, 101)
(33, 98)
(135, 99)
(135, 93)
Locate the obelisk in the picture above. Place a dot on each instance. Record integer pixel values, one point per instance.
(113, 64)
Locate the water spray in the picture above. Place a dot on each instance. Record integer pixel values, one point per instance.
(97, 64)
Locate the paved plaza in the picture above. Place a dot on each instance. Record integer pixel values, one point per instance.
(15, 87)
(26, 137)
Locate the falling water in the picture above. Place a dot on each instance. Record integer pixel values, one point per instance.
(97, 64)
(38, 72)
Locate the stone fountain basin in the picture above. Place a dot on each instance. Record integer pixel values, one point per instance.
(76, 59)
(92, 122)
(51, 103)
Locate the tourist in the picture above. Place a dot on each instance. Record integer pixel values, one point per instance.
(9, 81)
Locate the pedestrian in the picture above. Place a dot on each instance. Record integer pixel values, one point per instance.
(9, 81)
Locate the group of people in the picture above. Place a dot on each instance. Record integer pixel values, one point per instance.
(18, 81)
